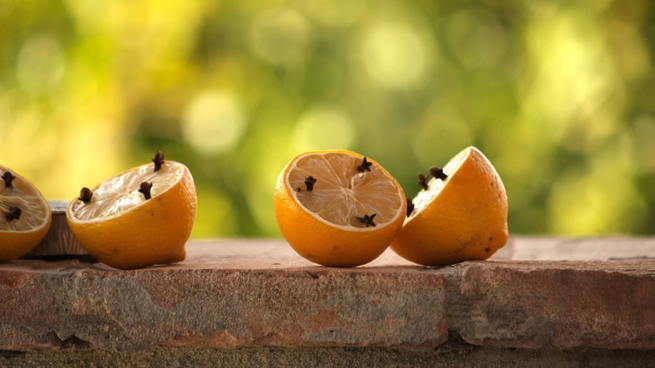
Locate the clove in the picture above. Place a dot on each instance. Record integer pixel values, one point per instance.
(309, 182)
(422, 182)
(144, 189)
(14, 213)
(437, 173)
(365, 166)
(367, 220)
(410, 207)
(8, 178)
(158, 160)
(85, 195)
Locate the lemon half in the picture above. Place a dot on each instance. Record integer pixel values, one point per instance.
(123, 229)
(463, 217)
(350, 215)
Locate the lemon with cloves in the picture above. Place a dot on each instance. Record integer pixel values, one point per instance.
(459, 215)
(338, 208)
(139, 218)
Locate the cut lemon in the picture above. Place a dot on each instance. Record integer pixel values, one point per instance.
(139, 218)
(25, 215)
(461, 216)
(338, 208)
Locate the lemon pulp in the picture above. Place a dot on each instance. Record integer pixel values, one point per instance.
(35, 210)
(121, 193)
(341, 193)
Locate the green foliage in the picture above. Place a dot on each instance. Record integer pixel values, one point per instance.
(558, 95)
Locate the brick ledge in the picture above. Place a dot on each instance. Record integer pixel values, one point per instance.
(245, 293)
(451, 355)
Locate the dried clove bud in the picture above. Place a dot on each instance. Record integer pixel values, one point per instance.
(422, 182)
(85, 195)
(13, 214)
(158, 160)
(436, 172)
(309, 182)
(144, 189)
(365, 166)
(8, 178)
(410, 207)
(367, 220)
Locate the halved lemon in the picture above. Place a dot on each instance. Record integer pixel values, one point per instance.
(459, 218)
(25, 216)
(139, 218)
(338, 208)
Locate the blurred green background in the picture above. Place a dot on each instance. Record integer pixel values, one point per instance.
(560, 96)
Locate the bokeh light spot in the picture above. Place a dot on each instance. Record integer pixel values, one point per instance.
(394, 56)
(324, 128)
(336, 13)
(41, 64)
(279, 36)
(213, 122)
(573, 84)
(272, 150)
(215, 214)
(476, 38)
(584, 204)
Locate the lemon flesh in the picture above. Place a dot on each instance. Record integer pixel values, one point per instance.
(341, 193)
(35, 209)
(118, 195)
(20, 235)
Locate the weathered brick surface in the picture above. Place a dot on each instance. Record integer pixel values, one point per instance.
(449, 355)
(577, 249)
(238, 293)
(554, 304)
(201, 304)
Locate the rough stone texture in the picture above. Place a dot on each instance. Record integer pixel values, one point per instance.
(214, 302)
(577, 249)
(547, 304)
(245, 294)
(449, 355)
